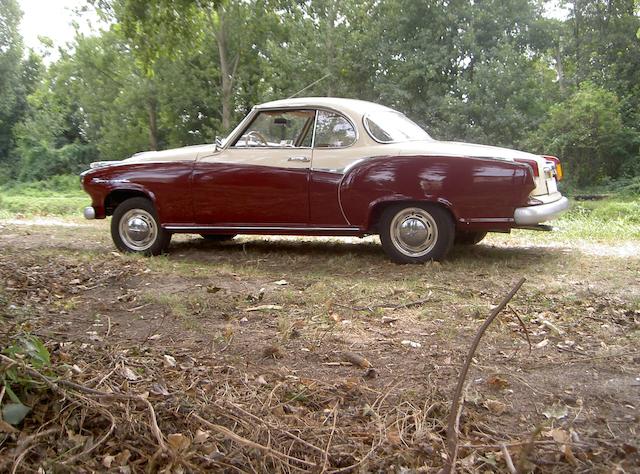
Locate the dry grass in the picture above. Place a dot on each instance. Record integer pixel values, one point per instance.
(235, 388)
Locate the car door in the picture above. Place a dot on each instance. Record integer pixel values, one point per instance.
(333, 153)
(260, 180)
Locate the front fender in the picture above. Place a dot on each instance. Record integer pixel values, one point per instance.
(167, 184)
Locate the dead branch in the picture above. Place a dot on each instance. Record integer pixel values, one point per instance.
(247, 442)
(456, 405)
(55, 386)
(524, 327)
(507, 459)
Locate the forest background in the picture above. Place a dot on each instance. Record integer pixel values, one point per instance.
(170, 73)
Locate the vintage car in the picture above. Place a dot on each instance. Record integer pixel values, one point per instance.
(326, 167)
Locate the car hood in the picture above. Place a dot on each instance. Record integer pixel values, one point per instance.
(441, 148)
(174, 154)
(187, 153)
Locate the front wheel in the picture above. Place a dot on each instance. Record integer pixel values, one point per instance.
(135, 228)
(416, 233)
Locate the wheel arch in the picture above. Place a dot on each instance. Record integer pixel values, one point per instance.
(377, 207)
(116, 197)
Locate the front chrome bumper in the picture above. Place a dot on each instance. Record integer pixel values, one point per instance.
(531, 215)
(89, 212)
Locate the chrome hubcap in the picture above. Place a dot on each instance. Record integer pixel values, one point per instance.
(138, 229)
(414, 232)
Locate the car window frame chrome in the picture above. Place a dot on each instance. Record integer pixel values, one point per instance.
(237, 132)
(373, 137)
(254, 116)
(349, 121)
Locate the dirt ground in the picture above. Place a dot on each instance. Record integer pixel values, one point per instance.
(291, 354)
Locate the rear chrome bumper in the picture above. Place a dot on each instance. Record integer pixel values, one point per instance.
(531, 215)
(89, 212)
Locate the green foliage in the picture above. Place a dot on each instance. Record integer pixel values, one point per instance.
(30, 351)
(56, 196)
(169, 73)
(587, 133)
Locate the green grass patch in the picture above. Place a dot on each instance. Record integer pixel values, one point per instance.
(58, 196)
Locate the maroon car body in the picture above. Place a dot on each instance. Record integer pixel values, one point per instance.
(319, 166)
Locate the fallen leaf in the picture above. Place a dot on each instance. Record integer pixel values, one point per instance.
(281, 282)
(274, 351)
(409, 343)
(261, 380)
(107, 461)
(497, 382)
(14, 413)
(178, 441)
(542, 344)
(7, 428)
(129, 374)
(393, 436)
(355, 359)
(169, 361)
(264, 307)
(155, 337)
(77, 439)
(557, 411)
(201, 436)
(495, 407)
(370, 373)
(159, 389)
(213, 289)
(122, 458)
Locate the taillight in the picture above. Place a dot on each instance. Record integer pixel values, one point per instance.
(556, 162)
(532, 163)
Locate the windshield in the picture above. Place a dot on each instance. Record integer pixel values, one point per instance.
(390, 126)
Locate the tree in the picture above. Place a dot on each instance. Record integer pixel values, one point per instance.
(587, 133)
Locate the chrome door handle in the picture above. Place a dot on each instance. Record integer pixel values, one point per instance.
(303, 159)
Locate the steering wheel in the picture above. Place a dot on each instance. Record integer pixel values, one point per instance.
(258, 136)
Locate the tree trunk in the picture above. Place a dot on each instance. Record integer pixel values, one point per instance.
(227, 69)
(152, 111)
(330, 48)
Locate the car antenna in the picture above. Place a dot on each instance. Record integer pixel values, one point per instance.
(310, 85)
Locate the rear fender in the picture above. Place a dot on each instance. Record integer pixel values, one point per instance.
(474, 190)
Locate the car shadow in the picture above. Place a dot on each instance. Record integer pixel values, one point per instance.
(309, 251)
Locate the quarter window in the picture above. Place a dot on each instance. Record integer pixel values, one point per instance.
(279, 129)
(333, 131)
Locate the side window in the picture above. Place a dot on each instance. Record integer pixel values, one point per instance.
(333, 131)
(278, 129)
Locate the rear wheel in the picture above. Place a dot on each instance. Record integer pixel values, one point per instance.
(416, 233)
(135, 228)
(218, 237)
(469, 237)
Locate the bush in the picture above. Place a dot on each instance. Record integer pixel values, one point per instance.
(587, 133)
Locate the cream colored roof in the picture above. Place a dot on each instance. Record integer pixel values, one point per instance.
(352, 106)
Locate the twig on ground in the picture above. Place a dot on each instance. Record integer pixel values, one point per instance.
(456, 405)
(387, 305)
(524, 327)
(325, 456)
(55, 386)
(247, 442)
(507, 459)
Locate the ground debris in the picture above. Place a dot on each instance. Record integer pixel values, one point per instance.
(150, 372)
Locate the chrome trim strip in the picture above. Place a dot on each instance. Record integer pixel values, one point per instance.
(488, 219)
(255, 228)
